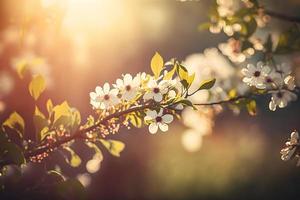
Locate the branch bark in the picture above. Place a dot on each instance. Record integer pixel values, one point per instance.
(283, 16)
(79, 133)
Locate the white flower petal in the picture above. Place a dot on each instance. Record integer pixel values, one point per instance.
(158, 97)
(153, 128)
(167, 118)
(106, 88)
(163, 127)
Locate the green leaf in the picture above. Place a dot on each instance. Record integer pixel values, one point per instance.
(157, 64)
(11, 154)
(135, 119)
(114, 147)
(71, 189)
(49, 107)
(74, 160)
(37, 86)
(21, 68)
(204, 26)
(187, 103)
(15, 121)
(96, 149)
(54, 176)
(41, 124)
(76, 119)
(61, 110)
(207, 84)
(169, 74)
(251, 107)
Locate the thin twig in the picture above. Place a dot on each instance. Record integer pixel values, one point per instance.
(283, 16)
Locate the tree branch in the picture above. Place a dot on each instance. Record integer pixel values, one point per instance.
(223, 101)
(283, 16)
(79, 133)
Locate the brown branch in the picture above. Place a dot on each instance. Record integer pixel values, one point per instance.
(224, 101)
(283, 16)
(78, 134)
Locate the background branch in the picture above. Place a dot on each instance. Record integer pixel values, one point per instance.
(283, 16)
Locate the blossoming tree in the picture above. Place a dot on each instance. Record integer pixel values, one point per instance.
(174, 90)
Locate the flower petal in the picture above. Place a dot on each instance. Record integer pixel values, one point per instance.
(167, 118)
(163, 127)
(153, 128)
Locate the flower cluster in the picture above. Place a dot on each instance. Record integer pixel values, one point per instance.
(291, 148)
(161, 96)
(229, 18)
(278, 82)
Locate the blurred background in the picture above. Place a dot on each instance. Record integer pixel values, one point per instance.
(79, 44)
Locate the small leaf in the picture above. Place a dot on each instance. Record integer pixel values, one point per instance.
(15, 121)
(74, 160)
(71, 189)
(251, 107)
(11, 154)
(157, 64)
(113, 146)
(169, 74)
(37, 86)
(205, 85)
(96, 149)
(61, 110)
(49, 106)
(187, 103)
(21, 68)
(40, 123)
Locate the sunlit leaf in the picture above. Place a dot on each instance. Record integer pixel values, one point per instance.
(207, 84)
(74, 160)
(37, 86)
(40, 123)
(49, 106)
(21, 68)
(71, 189)
(251, 107)
(61, 110)
(157, 64)
(113, 146)
(15, 121)
(96, 149)
(169, 74)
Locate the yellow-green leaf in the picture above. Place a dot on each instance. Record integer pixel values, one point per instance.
(114, 147)
(207, 84)
(74, 160)
(61, 110)
(170, 74)
(157, 64)
(40, 123)
(21, 68)
(49, 106)
(251, 107)
(96, 149)
(15, 121)
(37, 86)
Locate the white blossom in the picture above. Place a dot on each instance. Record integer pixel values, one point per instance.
(289, 150)
(281, 98)
(128, 86)
(156, 90)
(158, 120)
(104, 98)
(256, 75)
